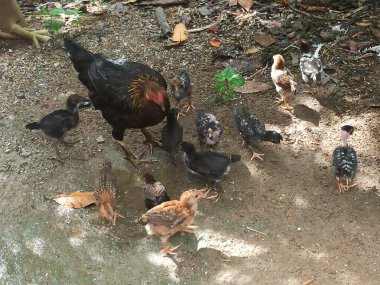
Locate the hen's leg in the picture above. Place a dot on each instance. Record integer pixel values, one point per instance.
(129, 155)
(166, 249)
(152, 142)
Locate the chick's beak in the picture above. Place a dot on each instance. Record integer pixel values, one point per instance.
(210, 132)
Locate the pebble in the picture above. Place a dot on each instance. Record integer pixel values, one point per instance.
(100, 139)
(204, 11)
(20, 96)
(326, 36)
(25, 152)
(291, 35)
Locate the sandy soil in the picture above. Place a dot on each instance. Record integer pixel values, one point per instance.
(280, 221)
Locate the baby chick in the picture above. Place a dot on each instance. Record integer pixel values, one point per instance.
(311, 66)
(106, 193)
(283, 80)
(173, 216)
(208, 128)
(154, 192)
(345, 162)
(181, 87)
(57, 123)
(172, 133)
(253, 131)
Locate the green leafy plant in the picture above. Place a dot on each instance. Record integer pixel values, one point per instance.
(225, 83)
(60, 17)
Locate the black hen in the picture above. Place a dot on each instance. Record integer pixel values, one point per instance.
(181, 87)
(57, 123)
(154, 192)
(345, 162)
(310, 65)
(209, 164)
(172, 133)
(131, 96)
(208, 128)
(253, 131)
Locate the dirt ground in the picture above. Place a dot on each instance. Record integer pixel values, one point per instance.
(280, 221)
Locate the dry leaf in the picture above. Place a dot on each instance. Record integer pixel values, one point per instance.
(283, 2)
(75, 199)
(252, 50)
(265, 39)
(246, 4)
(232, 2)
(180, 33)
(215, 42)
(253, 87)
(214, 28)
(129, 1)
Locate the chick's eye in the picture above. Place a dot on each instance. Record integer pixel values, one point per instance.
(196, 196)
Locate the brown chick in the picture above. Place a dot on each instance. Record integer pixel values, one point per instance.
(173, 216)
(283, 80)
(106, 192)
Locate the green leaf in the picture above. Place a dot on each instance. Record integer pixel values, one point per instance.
(219, 85)
(75, 22)
(237, 81)
(220, 77)
(52, 25)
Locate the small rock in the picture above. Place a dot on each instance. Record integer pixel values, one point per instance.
(204, 11)
(297, 25)
(10, 51)
(100, 139)
(326, 36)
(20, 96)
(290, 17)
(291, 35)
(25, 152)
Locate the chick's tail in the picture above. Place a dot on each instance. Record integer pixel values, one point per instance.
(235, 157)
(33, 126)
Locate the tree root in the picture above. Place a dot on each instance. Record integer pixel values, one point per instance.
(36, 36)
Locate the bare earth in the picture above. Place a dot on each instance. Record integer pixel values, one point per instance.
(281, 221)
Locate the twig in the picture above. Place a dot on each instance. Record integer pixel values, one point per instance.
(162, 22)
(204, 27)
(307, 14)
(309, 281)
(256, 231)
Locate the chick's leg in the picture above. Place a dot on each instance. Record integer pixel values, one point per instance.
(57, 154)
(189, 105)
(152, 142)
(166, 249)
(256, 155)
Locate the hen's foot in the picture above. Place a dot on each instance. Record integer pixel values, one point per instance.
(152, 142)
(129, 155)
(167, 250)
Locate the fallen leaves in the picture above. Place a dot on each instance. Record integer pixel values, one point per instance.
(215, 42)
(180, 33)
(252, 50)
(253, 87)
(246, 4)
(354, 46)
(75, 199)
(265, 40)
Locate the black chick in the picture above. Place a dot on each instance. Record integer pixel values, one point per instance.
(208, 128)
(253, 131)
(172, 133)
(210, 164)
(57, 123)
(181, 87)
(154, 192)
(345, 162)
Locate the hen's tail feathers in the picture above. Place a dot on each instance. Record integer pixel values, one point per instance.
(316, 53)
(80, 57)
(33, 126)
(235, 157)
